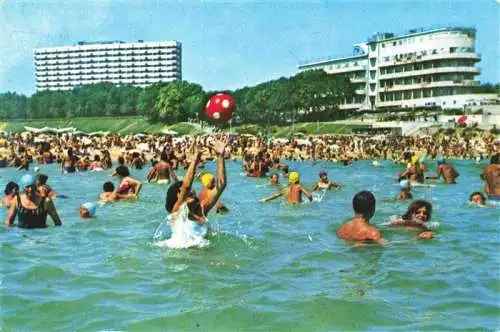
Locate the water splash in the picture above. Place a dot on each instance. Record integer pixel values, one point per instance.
(184, 232)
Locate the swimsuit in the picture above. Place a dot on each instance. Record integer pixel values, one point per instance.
(31, 218)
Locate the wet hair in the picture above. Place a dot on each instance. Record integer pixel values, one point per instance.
(121, 160)
(172, 195)
(477, 193)
(122, 171)
(10, 187)
(97, 158)
(42, 178)
(364, 203)
(108, 187)
(495, 159)
(415, 206)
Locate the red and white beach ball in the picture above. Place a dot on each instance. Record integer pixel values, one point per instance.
(220, 108)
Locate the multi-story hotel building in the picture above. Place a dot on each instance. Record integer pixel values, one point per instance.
(139, 64)
(423, 68)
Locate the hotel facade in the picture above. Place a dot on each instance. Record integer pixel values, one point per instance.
(422, 68)
(137, 63)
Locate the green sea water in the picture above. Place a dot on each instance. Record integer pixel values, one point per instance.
(268, 267)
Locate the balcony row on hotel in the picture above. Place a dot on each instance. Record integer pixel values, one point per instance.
(104, 76)
(108, 48)
(108, 59)
(105, 54)
(384, 62)
(62, 72)
(115, 81)
(115, 67)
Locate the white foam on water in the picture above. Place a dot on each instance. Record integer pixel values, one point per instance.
(318, 196)
(185, 232)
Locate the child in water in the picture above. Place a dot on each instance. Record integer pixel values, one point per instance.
(88, 210)
(293, 192)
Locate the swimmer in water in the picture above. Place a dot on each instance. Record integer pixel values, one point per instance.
(128, 185)
(11, 191)
(477, 198)
(418, 214)
(491, 175)
(275, 179)
(209, 191)
(293, 192)
(31, 207)
(324, 183)
(88, 210)
(359, 229)
(445, 170)
(405, 191)
(180, 196)
(413, 172)
(162, 172)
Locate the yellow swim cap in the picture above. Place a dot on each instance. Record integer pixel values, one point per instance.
(293, 177)
(206, 179)
(414, 160)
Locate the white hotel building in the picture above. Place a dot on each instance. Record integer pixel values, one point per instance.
(139, 64)
(423, 68)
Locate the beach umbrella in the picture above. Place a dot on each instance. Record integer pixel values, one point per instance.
(462, 119)
(169, 132)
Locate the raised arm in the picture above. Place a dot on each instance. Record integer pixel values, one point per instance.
(187, 182)
(219, 148)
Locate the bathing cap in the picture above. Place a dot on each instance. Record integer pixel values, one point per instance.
(440, 160)
(36, 169)
(27, 180)
(293, 177)
(320, 174)
(414, 160)
(404, 183)
(206, 179)
(91, 207)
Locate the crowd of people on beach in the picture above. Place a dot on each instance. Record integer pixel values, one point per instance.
(31, 199)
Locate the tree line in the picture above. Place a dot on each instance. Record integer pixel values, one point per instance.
(312, 95)
(306, 96)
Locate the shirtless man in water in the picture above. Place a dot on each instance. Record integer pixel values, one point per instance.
(162, 172)
(293, 192)
(491, 175)
(446, 170)
(359, 228)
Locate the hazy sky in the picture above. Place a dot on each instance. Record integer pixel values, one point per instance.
(233, 44)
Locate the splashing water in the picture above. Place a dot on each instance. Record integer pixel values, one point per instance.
(184, 232)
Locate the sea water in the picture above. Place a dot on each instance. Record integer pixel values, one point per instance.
(268, 266)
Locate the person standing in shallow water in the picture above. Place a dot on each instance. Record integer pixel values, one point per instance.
(180, 195)
(293, 192)
(445, 170)
(359, 228)
(491, 175)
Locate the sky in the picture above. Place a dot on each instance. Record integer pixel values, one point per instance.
(230, 45)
